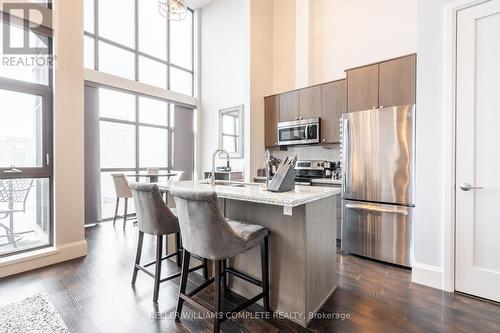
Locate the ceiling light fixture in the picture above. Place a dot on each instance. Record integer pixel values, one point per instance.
(174, 10)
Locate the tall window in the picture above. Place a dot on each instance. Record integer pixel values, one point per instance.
(130, 39)
(25, 143)
(135, 134)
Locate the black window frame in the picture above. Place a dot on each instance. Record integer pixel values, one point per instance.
(169, 127)
(45, 171)
(137, 52)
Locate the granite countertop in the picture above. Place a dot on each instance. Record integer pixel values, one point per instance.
(255, 192)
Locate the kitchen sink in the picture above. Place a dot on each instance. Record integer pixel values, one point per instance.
(231, 184)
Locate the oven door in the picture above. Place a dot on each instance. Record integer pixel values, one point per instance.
(298, 132)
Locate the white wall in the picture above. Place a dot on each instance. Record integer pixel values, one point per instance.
(236, 68)
(225, 72)
(284, 18)
(261, 78)
(433, 146)
(68, 145)
(347, 34)
(342, 34)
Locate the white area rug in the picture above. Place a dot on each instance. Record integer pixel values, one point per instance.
(35, 314)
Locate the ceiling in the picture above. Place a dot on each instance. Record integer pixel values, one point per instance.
(195, 4)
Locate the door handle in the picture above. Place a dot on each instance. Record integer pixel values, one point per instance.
(377, 209)
(13, 169)
(466, 187)
(345, 147)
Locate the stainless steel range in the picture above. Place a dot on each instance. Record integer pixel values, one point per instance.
(307, 170)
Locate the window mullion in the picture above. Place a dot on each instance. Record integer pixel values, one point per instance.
(96, 37)
(136, 51)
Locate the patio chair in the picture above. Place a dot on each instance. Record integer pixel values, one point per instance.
(14, 193)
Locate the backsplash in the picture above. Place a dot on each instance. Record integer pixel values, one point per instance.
(327, 152)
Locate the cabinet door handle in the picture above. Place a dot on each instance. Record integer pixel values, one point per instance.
(324, 140)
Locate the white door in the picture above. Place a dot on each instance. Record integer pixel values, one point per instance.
(478, 151)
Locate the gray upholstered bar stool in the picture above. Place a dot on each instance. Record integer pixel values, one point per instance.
(122, 191)
(155, 218)
(206, 233)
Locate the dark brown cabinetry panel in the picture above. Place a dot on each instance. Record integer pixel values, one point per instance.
(362, 88)
(310, 102)
(289, 106)
(397, 81)
(333, 105)
(272, 115)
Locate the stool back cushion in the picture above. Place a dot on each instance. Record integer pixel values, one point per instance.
(122, 188)
(204, 230)
(153, 215)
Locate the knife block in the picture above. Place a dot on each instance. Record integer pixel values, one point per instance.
(283, 180)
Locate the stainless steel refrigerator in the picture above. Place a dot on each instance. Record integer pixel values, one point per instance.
(378, 149)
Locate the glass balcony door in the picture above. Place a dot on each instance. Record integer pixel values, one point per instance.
(25, 166)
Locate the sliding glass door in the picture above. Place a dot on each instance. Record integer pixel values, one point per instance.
(25, 153)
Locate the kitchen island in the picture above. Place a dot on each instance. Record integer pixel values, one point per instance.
(302, 243)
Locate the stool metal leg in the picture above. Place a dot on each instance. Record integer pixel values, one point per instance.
(182, 287)
(125, 213)
(224, 277)
(138, 256)
(159, 249)
(205, 269)
(116, 210)
(264, 256)
(178, 248)
(217, 296)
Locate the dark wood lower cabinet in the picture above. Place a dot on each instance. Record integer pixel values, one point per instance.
(93, 294)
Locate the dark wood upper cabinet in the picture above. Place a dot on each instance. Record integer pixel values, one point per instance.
(384, 84)
(333, 105)
(289, 106)
(272, 115)
(397, 81)
(362, 88)
(310, 102)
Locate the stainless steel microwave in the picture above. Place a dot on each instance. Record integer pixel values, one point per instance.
(299, 132)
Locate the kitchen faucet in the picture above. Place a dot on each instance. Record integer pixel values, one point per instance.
(220, 150)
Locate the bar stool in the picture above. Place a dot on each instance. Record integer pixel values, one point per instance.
(155, 218)
(206, 233)
(122, 191)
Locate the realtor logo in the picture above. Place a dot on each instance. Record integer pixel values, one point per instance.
(30, 18)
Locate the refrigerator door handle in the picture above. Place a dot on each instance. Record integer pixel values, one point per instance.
(345, 146)
(377, 209)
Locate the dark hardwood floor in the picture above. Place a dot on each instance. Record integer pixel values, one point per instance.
(93, 294)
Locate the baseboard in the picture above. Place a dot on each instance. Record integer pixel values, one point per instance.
(32, 260)
(427, 275)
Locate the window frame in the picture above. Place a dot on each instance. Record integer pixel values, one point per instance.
(238, 130)
(45, 171)
(137, 125)
(138, 53)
